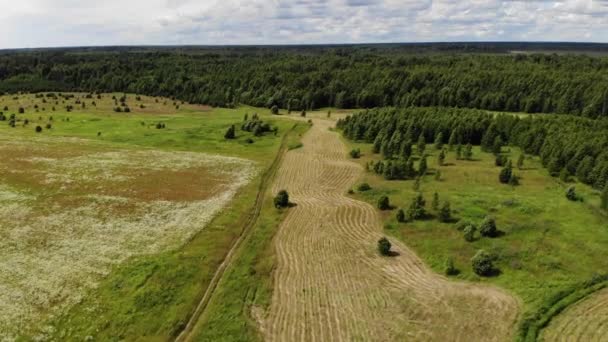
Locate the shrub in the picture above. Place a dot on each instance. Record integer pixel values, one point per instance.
(450, 269)
(281, 200)
(384, 203)
(438, 175)
(38, 129)
(482, 263)
(506, 173)
(488, 227)
(571, 194)
(445, 213)
(416, 210)
(364, 187)
(514, 180)
(400, 215)
(469, 233)
(230, 133)
(355, 153)
(435, 202)
(48, 126)
(384, 247)
(21, 110)
(303, 114)
(274, 110)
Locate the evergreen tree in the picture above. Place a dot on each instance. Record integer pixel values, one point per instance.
(506, 173)
(422, 167)
(482, 263)
(421, 146)
(520, 161)
(384, 247)
(410, 171)
(416, 185)
(459, 152)
(445, 213)
(439, 141)
(384, 203)
(441, 158)
(450, 269)
(571, 194)
(452, 141)
(230, 133)
(564, 175)
(400, 215)
(488, 227)
(438, 175)
(435, 202)
(468, 152)
(469, 233)
(497, 146)
(416, 210)
(489, 138)
(405, 150)
(281, 200)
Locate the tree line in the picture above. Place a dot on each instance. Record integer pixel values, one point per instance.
(567, 144)
(309, 78)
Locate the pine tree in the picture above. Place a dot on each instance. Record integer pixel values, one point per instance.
(497, 146)
(416, 210)
(422, 167)
(421, 146)
(438, 175)
(439, 141)
(441, 158)
(400, 215)
(506, 173)
(489, 137)
(450, 269)
(230, 133)
(410, 171)
(571, 194)
(435, 202)
(520, 161)
(564, 175)
(405, 151)
(384, 247)
(452, 140)
(459, 152)
(445, 213)
(468, 152)
(469, 233)
(384, 203)
(488, 227)
(416, 185)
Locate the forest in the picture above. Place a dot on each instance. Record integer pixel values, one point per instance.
(296, 78)
(567, 145)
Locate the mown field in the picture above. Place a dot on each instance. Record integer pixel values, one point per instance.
(547, 245)
(114, 222)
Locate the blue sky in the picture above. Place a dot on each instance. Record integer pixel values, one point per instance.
(38, 23)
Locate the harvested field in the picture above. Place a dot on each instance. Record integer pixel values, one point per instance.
(586, 320)
(70, 209)
(330, 283)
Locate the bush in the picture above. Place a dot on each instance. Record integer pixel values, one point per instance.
(482, 263)
(281, 200)
(230, 133)
(384, 247)
(274, 110)
(450, 269)
(571, 194)
(21, 110)
(445, 213)
(38, 129)
(355, 153)
(416, 210)
(488, 227)
(506, 173)
(469, 233)
(400, 215)
(384, 203)
(48, 126)
(364, 187)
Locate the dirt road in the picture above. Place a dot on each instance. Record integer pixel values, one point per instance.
(330, 283)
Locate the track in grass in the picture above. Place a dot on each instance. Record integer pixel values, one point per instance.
(586, 320)
(330, 283)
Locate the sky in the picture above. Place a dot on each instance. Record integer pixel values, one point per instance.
(50, 23)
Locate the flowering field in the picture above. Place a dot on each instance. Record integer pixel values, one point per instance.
(70, 209)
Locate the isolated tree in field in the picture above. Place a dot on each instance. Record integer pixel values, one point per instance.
(445, 213)
(400, 215)
(421, 145)
(604, 198)
(303, 114)
(488, 227)
(520, 161)
(468, 152)
(230, 133)
(38, 129)
(384, 203)
(458, 152)
(506, 173)
(441, 158)
(355, 153)
(571, 193)
(274, 110)
(422, 167)
(469, 232)
(439, 141)
(482, 263)
(489, 137)
(364, 187)
(281, 200)
(21, 110)
(435, 202)
(449, 268)
(384, 247)
(416, 210)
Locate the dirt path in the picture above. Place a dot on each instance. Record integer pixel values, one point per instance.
(586, 320)
(330, 283)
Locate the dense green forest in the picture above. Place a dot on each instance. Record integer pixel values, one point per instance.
(305, 78)
(567, 145)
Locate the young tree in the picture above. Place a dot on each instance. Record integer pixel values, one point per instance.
(416, 185)
(435, 202)
(441, 158)
(364, 187)
(384, 247)
(400, 215)
(506, 173)
(438, 175)
(421, 146)
(469, 232)
(482, 263)
(458, 152)
(422, 167)
(281, 200)
(564, 175)
(497, 146)
(488, 227)
(355, 153)
(439, 141)
(468, 152)
(452, 141)
(445, 213)
(416, 210)
(571, 194)
(274, 110)
(450, 269)
(38, 129)
(384, 203)
(230, 133)
(520, 161)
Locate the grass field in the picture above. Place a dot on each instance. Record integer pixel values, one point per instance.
(125, 256)
(548, 244)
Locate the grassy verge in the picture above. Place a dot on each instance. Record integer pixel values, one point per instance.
(547, 245)
(247, 284)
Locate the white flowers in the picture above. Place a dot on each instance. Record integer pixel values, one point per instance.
(51, 252)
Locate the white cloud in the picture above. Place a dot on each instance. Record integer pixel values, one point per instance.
(28, 23)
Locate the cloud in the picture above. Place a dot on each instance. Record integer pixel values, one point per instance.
(30, 23)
